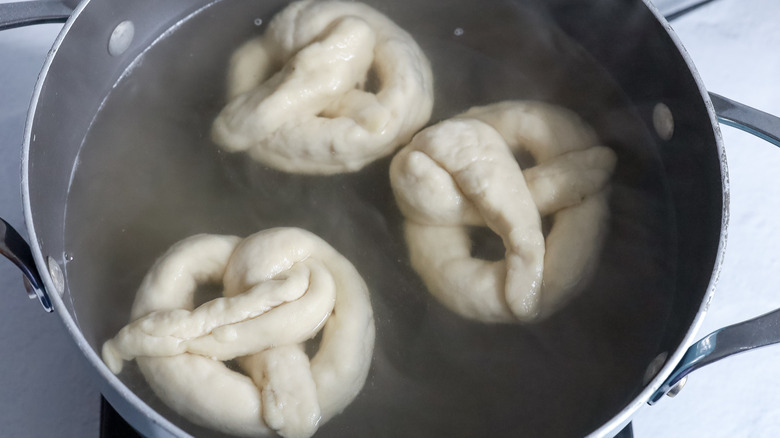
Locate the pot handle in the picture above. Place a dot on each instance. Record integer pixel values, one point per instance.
(738, 338)
(18, 14)
(757, 332)
(745, 118)
(12, 244)
(16, 249)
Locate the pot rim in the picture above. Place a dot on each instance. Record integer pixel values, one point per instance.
(125, 401)
(138, 413)
(623, 418)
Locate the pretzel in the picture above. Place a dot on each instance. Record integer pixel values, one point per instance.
(462, 172)
(300, 97)
(281, 287)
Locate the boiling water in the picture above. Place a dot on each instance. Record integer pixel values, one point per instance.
(148, 175)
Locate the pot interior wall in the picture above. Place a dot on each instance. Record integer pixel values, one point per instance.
(141, 173)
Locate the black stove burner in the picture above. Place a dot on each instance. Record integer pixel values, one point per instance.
(627, 432)
(112, 425)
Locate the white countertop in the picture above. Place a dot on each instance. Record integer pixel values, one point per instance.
(46, 388)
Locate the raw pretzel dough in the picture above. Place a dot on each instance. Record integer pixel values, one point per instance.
(462, 172)
(281, 286)
(298, 98)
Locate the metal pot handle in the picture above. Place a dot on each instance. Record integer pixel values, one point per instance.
(738, 338)
(33, 12)
(758, 332)
(745, 118)
(16, 249)
(12, 244)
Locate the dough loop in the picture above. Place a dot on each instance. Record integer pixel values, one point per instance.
(462, 172)
(302, 98)
(281, 286)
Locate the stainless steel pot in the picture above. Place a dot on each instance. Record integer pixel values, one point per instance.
(127, 73)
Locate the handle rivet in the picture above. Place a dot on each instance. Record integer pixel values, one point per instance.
(121, 37)
(677, 387)
(57, 277)
(663, 121)
(654, 367)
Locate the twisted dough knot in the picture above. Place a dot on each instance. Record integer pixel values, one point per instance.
(462, 172)
(280, 287)
(300, 93)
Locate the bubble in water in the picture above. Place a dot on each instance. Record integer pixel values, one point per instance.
(258, 22)
(458, 31)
